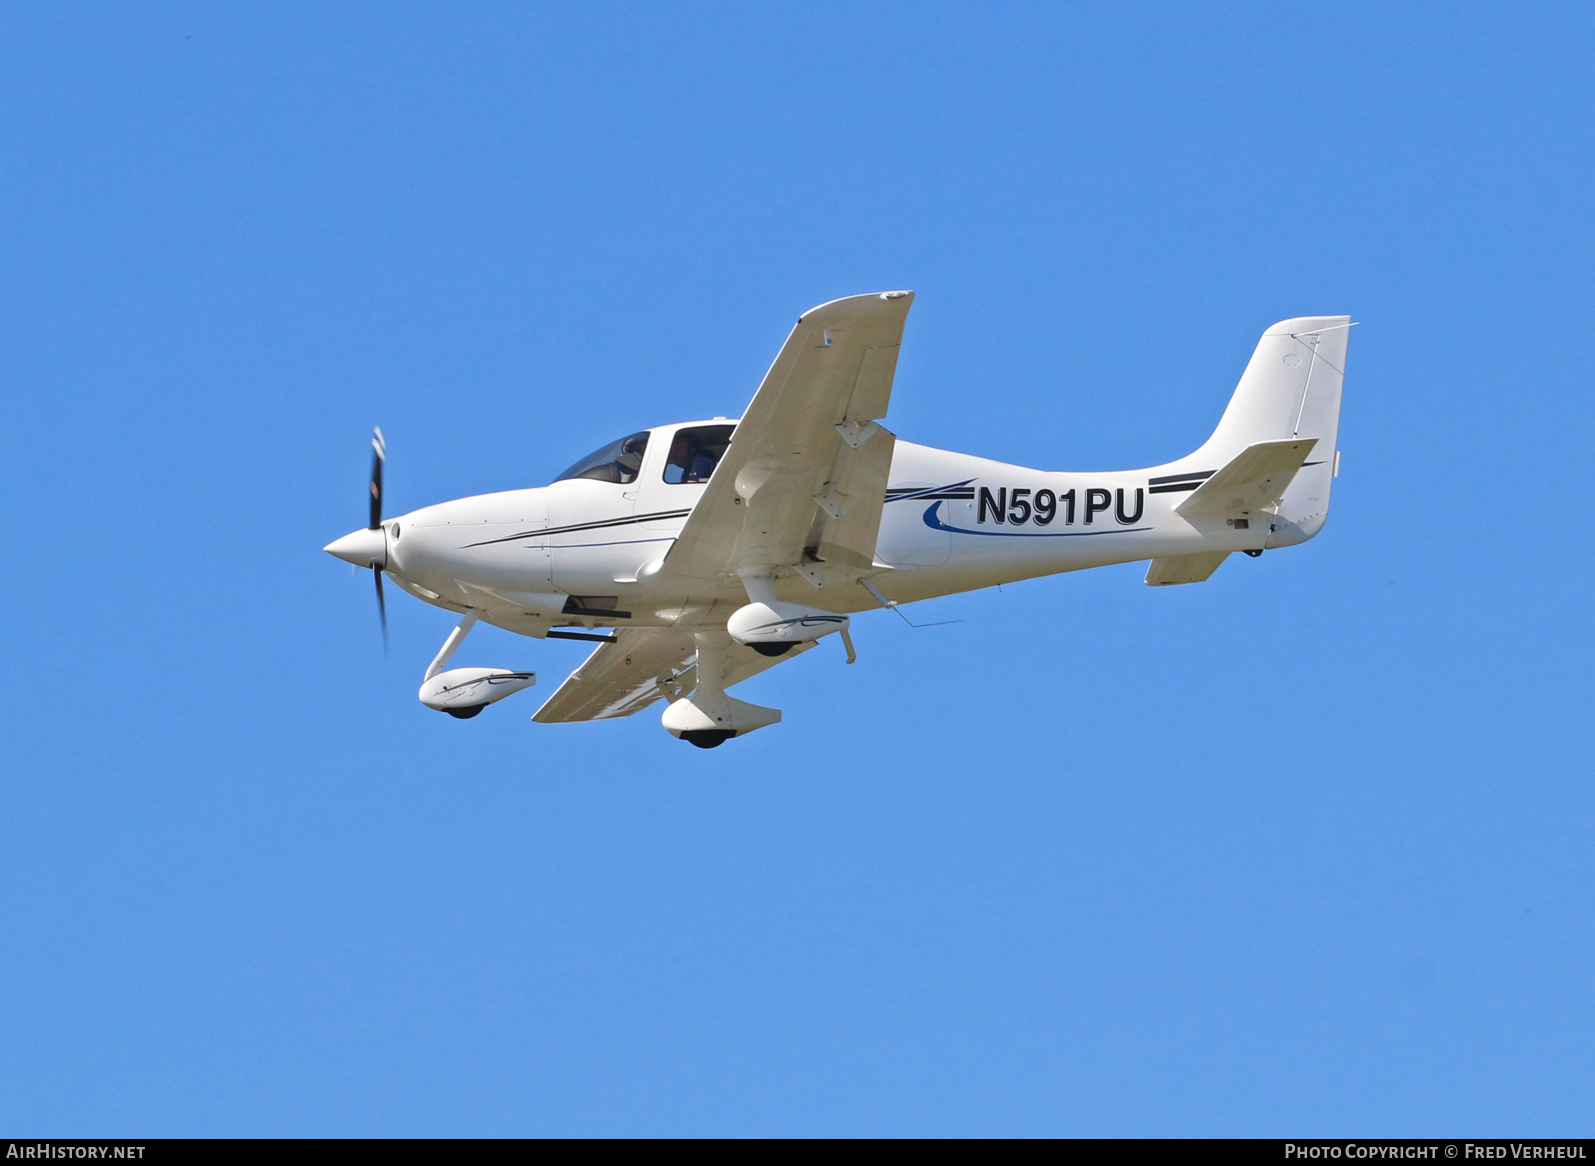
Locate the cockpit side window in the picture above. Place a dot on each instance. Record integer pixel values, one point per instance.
(618, 461)
(695, 452)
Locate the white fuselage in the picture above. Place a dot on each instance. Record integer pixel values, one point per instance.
(951, 523)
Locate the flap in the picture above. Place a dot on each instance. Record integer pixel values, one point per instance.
(850, 502)
(642, 666)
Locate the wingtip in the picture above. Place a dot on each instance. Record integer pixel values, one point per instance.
(858, 302)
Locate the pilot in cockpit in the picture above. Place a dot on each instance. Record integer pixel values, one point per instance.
(700, 469)
(689, 464)
(695, 452)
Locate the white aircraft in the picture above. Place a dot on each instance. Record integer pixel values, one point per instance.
(701, 553)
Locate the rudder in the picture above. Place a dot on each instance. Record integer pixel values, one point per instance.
(1290, 389)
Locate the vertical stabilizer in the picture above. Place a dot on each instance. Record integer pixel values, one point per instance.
(1290, 390)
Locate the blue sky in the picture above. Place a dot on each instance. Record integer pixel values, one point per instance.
(1301, 850)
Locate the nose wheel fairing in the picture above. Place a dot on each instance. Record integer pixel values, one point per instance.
(464, 692)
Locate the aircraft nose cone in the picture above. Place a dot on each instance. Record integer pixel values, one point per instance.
(363, 548)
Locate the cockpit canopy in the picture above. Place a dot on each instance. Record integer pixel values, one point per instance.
(618, 461)
(694, 452)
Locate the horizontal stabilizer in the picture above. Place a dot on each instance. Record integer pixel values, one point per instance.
(1255, 480)
(1183, 568)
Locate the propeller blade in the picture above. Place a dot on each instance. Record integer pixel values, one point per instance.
(379, 454)
(382, 608)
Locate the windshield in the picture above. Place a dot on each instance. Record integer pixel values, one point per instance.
(618, 461)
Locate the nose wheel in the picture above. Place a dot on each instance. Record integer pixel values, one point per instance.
(464, 692)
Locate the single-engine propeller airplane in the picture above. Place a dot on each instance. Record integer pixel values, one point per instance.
(700, 553)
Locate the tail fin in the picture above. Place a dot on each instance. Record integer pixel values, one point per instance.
(1290, 390)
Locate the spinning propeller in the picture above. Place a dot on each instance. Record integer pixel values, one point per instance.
(369, 547)
(379, 454)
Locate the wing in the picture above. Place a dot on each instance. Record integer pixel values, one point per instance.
(642, 665)
(804, 480)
